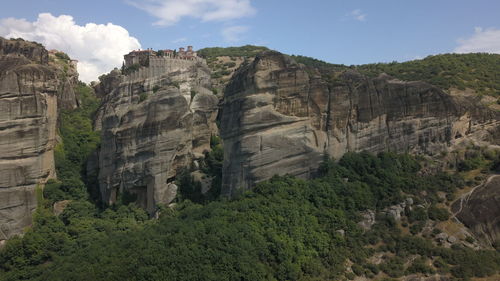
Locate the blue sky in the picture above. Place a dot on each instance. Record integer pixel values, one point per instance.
(348, 32)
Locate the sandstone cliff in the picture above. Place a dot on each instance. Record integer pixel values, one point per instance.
(32, 89)
(154, 121)
(280, 117)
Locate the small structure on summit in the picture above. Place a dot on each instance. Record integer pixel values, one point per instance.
(143, 57)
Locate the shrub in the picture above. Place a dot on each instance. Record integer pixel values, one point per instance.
(175, 84)
(471, 164)
(417, 227)
(419, 265)
(372, 267)
(417, 214)
(440, 214)
(143, 96)
(62, 56)
(394, 267)
(470, 239)
(357, 269)
(130, 69)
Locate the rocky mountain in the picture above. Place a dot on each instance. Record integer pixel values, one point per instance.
(34, 86)
(277, 116)
(281, 117)
(367, 216)
(155, 122)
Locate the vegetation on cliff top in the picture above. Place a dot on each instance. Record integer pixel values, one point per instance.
(475, 71)
(478, 71)
(243, 51)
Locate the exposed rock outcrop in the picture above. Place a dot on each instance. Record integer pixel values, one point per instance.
(154, 122)
(30, 87)
(280, 117)
(480, 210)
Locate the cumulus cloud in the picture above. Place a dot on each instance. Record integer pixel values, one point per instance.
(169, 12)
(98, 47)
(234, 33)
(483, 40)
(357, 15)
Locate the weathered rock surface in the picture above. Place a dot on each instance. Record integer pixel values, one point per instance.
(30, 87)
(480, 211)
(154, 123)
(367, 220)
(279, 117)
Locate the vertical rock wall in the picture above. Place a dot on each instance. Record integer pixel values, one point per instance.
(154, 123)
(279, 117)
(29, 92)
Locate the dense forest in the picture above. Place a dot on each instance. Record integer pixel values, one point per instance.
(283, 229)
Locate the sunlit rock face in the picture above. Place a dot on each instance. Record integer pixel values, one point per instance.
(280, 117)
(154, 122)
(32, 89)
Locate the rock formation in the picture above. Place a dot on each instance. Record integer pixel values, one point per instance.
(154, 121)
(480, 210)
(280, 117)
(31, 91)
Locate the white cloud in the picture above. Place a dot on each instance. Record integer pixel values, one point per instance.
(234, 33)
(483, 40)
(357, 15)
(169, 12)
(179, 40)
(98, 47)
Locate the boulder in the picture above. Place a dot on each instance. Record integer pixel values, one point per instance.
(368, 220)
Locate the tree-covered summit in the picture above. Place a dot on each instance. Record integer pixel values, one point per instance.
(243, 51)
(478, 71)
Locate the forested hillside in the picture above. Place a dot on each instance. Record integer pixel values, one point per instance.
(475, 71)
(285, 229)
(478, 72)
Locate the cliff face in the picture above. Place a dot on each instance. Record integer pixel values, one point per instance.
(279, 117)
(30, 87)
(154, 122)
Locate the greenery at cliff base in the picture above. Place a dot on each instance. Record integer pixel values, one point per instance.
(284, 229)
